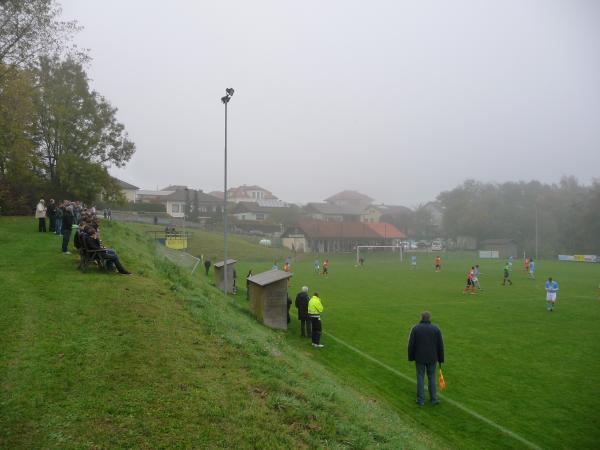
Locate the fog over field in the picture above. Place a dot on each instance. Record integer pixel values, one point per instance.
(399, 100)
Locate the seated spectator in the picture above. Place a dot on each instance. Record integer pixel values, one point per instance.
(79, 235)
(93, 243)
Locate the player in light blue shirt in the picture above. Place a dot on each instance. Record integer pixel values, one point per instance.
(413, 262)
(551, 290)
(317, 266)
(532, 269)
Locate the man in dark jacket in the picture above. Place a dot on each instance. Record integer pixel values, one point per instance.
(302, 306)
(426, 349)
(51, 211)
(67, 224)
(93, 243)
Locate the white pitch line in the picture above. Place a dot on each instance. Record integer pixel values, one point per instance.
(450, 401)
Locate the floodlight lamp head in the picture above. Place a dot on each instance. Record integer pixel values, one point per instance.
(225, 99)
(229, 91)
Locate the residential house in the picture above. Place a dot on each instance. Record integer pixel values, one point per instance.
(338, 236)
(128, 190)
(251, 211)
(332, 213)
(350, 198)
(150, 196)
(246, 193)
(208, 206)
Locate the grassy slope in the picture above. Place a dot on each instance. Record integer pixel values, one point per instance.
(533, 372)
(158, 360)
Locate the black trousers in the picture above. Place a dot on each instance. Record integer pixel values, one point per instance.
(112, 258)
(316, 330)
(66, 239)
(52, 223)
(42, 224)
(305, 328)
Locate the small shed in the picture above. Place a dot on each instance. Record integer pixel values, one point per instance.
(504, 247)
(220, 274)
(268, 297)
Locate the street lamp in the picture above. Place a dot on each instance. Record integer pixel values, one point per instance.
(229, 93)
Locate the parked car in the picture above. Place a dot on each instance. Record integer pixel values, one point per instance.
(437, 246)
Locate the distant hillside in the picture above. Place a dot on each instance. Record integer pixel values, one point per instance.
(159, 360)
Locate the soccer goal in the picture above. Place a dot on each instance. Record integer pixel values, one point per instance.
(372, 247)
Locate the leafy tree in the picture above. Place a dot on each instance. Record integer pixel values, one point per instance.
(19, 165)
(76, 128)
(564, 216)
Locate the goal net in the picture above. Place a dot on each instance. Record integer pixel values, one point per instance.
(362, 251)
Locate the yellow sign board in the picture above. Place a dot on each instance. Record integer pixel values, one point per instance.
(176, 242)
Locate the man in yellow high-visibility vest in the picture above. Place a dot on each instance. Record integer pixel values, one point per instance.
(315, 308)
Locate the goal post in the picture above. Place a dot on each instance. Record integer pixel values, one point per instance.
(399, 247)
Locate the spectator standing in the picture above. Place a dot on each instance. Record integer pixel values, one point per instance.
(67, 225)
(51, 211)
(77, 212)
(109, 214)
(248, 284)
(426, 349)
(105, 213)
(58, 219)
(302, 307)
(40, 215)
(207, 266)
(315, 308)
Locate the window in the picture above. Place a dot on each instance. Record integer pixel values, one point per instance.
(260, 216)
(175, 208)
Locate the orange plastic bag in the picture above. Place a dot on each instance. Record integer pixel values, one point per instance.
(441, 381)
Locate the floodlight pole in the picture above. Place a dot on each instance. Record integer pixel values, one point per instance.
(225, 100)
(536, 231)
(225, 212)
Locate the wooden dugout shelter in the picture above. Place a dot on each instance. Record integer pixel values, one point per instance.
(268, 297)
(220, 268)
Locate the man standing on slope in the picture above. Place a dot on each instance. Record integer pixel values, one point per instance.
(426, 349)
(302, 300)
(315, 308)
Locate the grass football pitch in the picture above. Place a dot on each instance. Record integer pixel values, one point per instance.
(517, 375)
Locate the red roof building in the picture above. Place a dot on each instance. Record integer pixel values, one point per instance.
(321, 236)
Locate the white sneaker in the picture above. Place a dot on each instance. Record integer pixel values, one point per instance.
(319, 345)
(66, 253)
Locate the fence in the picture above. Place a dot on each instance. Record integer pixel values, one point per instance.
(180, 258)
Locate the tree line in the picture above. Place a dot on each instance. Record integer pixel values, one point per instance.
(564, 215)
(58, 136)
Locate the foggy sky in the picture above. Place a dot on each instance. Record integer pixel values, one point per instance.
(399, 100)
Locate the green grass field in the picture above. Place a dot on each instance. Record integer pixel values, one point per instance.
(533, 375)
(160, 359)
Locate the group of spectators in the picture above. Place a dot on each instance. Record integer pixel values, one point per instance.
(69, 215)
